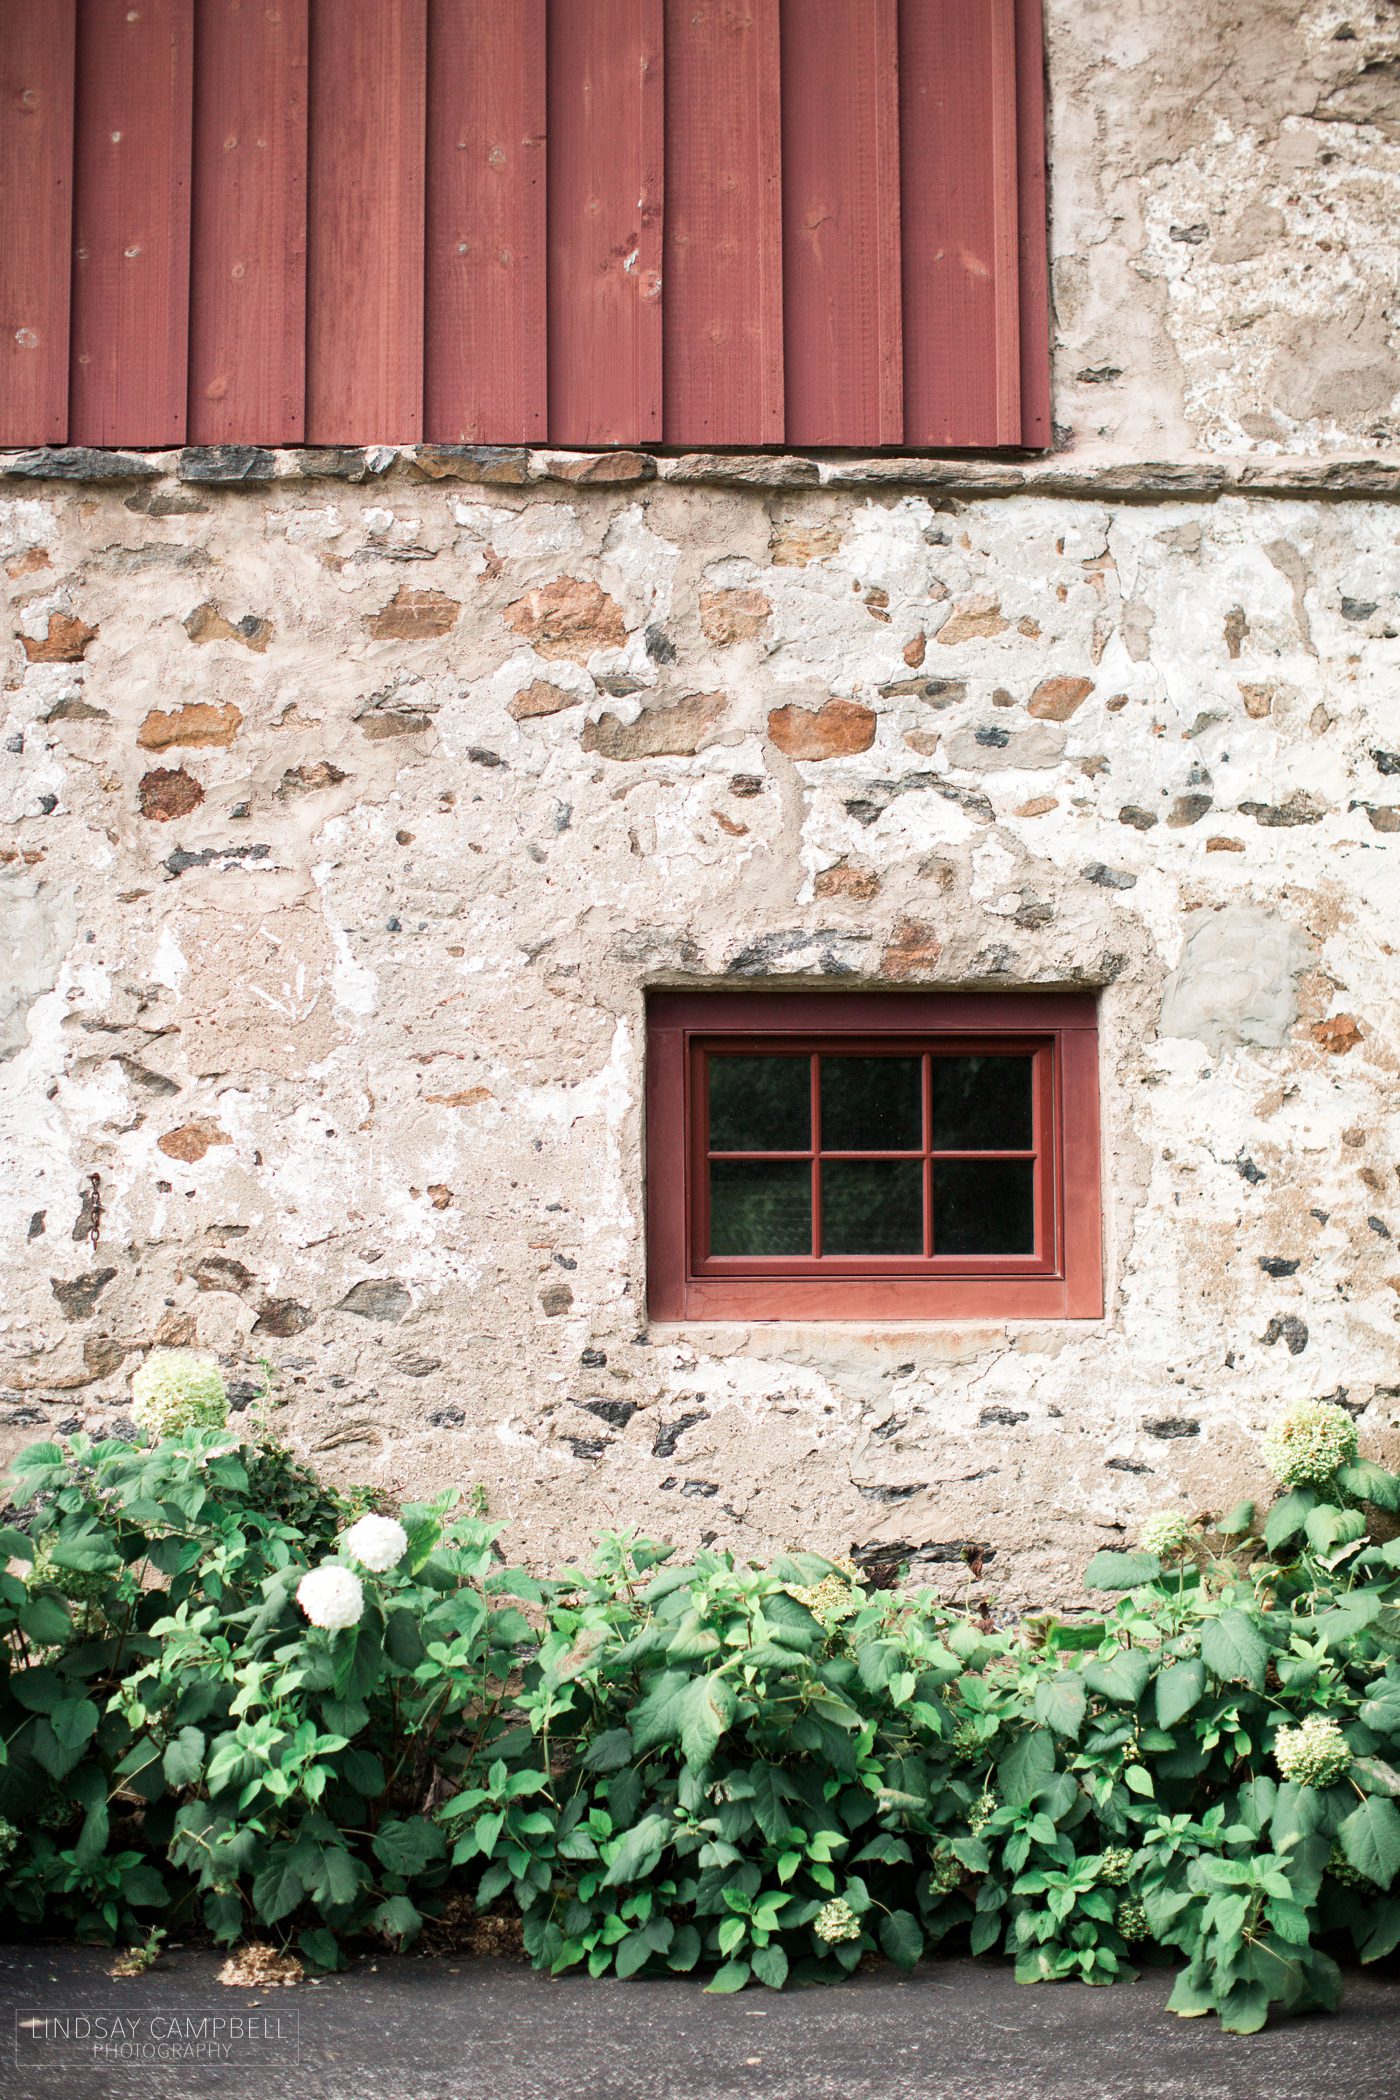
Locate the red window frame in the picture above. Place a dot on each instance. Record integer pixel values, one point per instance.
(1062, 1279)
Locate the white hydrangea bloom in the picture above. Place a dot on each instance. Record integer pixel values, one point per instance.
(331, 1596)
(1309, 1443)
(1315, 1753)
(377, 1543)
(173, 1390)
(1166, 1533)
(836, 1921)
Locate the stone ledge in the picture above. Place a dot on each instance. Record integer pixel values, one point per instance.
(518, 466)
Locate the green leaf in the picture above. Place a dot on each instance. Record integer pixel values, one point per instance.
(658, 1715)
(87, 1549)
(407, 1846)
(637, 1855)
(1370, 1838)
(1384, 1936)
(1238, 1520)
(183, 1762)
(1193, 1993)
(771, 1788)
(684, 1950)
(901, 1938)
(1327, 1527)
(770, 1966)
(633, 1953)
(399, 1918)
(277, 1890)
(44, 1621)
(707, 1708)
(1235, 1650)
(1371, 1483)
(1244, 2008)
(321, 1948)
(1026, 1766)
(1287, 1517)
(362, 1770)
(1109, 1570)
(74, 1722)
(1060, 1702)
(731, 1977)
(1121, 1677)
(1179, 1689)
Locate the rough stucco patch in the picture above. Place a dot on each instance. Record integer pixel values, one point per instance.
(1236, 981)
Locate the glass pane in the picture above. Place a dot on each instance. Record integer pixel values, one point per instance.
(982, 1104)
(760, 1206)
(872, 1104)
(760, 1104)
(872, 1206)
(984, 1206)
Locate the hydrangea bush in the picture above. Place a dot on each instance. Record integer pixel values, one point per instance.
(235, 1700)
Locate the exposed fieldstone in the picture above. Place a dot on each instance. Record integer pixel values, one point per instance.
(616, 1413)
(555, 1298)
(506, 466)
(934, 692)
(1300, 808)
(1056, 699)
(377, 1298)
(602, 469)
(1137, 819)
(540, 698)
(197, 724)
(1386, 761)
(733, 616)
(78, 1295)
(226, 463)
(80, 463)
(207, 624)
(793, 546)
(447, 1417)
(843, 880)
(413, 616)
(192, 1140)
(1287, 1327)
(283, 1317)
(669, 1434)
(671, 730)
(911, 952)
(1001, 1417)
(1109, 878)
(1188, 810)
(1007, 750)
(65, 641)
(167, 793)
(838, 729)
(973, 619)
(1278, 1265)
(570, 617)
(310, 779)
(1337, 1035)
(1173, 1429)
(1382, 816)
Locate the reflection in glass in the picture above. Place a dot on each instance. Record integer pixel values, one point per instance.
(872, 1104)
(982, 1104)
(760, 1206)
(872, 1206)
(984, 1206)
(760, 1104)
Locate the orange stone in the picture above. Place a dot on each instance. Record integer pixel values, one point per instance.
(732, 616)
(1338, 1035)
(838, 730)
(199, 723)
(569, 617)
(541, 698)
(1055, 699)
(413, 616)
(168, 792)
(972, 619)
(191, 1141)
(65, 643)
(913, 949)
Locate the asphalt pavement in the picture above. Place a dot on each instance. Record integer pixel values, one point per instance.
(430, 2029)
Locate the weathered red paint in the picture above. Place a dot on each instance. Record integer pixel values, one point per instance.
(364, 291)
(1062, 1279)
(485, 366)
(605, 202)
(723, 299)
(248, 240)
(591, 222)
(841, 248)
(36, 166)
(131, 222)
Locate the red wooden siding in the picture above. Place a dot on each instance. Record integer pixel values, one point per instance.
(845, 378)
(723, 271)
(131, 222)
(248, 245)
(605, 201)
(485, 369)
(36, 164)
(960, 204)
(811, 223)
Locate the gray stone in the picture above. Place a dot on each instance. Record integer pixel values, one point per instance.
(377, 1298)
(80, 463)
(1287, 1327)
(226, 463)
(78, 1295)
(1236, 980)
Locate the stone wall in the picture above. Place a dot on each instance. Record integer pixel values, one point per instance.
(353, 809)
(351, 821)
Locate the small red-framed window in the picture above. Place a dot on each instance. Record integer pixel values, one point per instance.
(872, 1156)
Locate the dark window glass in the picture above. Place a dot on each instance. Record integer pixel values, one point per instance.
(760, 1104)
(984, 1206)
(982, 1104)
(872, 1104)
(872, 1206)
(760, 1206)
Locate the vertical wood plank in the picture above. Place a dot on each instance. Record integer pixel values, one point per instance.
(364, 277)
(1036, 424)
(841, 222)
(248, 241)
(723, 271)
(606, 120)
(131, 222)
(486, 369)
(36, 163)
(960, 210)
